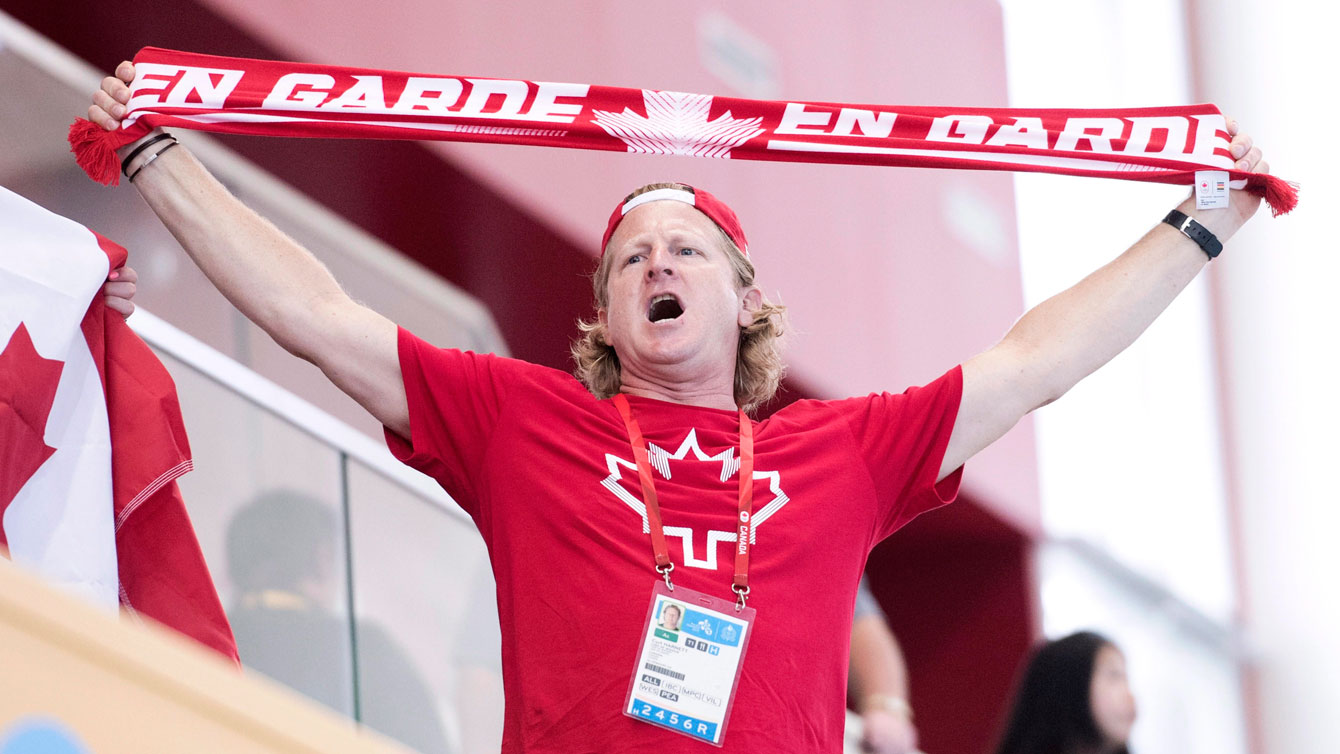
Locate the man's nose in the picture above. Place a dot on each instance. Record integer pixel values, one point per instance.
(660, 263)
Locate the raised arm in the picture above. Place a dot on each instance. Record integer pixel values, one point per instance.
(272, 280)
(1068, 336)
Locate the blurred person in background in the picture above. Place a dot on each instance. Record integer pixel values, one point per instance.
(290, 623)
(1073, 698)
(877, 681)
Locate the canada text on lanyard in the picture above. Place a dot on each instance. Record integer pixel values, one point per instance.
(693, 644)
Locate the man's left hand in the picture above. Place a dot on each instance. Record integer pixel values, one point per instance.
(1242, 204)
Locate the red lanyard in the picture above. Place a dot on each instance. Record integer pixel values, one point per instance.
(744, 526)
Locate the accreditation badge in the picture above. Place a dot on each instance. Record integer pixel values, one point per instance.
(689, 663)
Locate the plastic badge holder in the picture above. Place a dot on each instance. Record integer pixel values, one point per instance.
(687, 671)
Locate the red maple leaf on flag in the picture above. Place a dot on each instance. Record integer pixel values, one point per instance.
(27, 389)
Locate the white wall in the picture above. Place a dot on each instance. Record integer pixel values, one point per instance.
(1251, 538)
(1129, 459)
(1273, 65)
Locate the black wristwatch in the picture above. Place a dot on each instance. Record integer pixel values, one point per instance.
(1206, 240)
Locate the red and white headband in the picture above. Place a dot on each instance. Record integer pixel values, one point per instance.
(715, 209)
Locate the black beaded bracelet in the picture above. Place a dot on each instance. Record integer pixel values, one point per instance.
(152, 157)
(137, 150)
(1207, 241)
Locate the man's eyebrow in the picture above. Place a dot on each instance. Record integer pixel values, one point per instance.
(693, 233)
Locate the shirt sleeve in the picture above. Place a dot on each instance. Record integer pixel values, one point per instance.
(455, 398)
(902, 438)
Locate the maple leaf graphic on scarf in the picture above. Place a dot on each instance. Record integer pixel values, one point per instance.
(676, 123)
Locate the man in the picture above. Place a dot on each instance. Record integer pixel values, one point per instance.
(534, 457)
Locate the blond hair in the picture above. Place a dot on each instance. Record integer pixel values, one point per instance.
(758, 361)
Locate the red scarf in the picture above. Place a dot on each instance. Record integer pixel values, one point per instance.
(239, 95)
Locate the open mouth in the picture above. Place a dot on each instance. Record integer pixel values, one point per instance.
(664, 307)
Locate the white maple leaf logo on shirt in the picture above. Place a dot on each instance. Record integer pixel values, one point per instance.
(676, 123)
(690, 451)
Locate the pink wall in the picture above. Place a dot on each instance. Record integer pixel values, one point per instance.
(883, 289)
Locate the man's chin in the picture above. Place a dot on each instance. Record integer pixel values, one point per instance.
(668, 343)
(663, 358)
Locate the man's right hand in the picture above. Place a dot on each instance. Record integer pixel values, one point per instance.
(271, 279)
(109, 101)
(109, 105)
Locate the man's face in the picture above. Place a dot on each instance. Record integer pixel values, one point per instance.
(673, 302)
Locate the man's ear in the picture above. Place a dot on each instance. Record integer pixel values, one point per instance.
(750, 303)
(602, 316)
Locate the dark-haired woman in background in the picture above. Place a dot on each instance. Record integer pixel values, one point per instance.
(1073, 698)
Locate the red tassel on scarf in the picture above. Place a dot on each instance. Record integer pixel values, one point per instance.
(1281, 195)
(94, 149)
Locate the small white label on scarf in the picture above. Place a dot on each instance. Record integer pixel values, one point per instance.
(1211, 189)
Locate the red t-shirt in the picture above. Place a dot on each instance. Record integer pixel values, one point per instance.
(547, 474)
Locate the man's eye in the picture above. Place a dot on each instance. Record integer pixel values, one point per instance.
(633, 259)
(687, 251)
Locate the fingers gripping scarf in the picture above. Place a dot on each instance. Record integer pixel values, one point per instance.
(238, 95)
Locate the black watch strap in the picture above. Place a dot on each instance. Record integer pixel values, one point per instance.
(1206, 240)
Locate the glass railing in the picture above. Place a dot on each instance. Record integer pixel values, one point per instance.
(346, 576)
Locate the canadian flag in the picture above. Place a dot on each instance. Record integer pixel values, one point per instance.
(91, 435)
